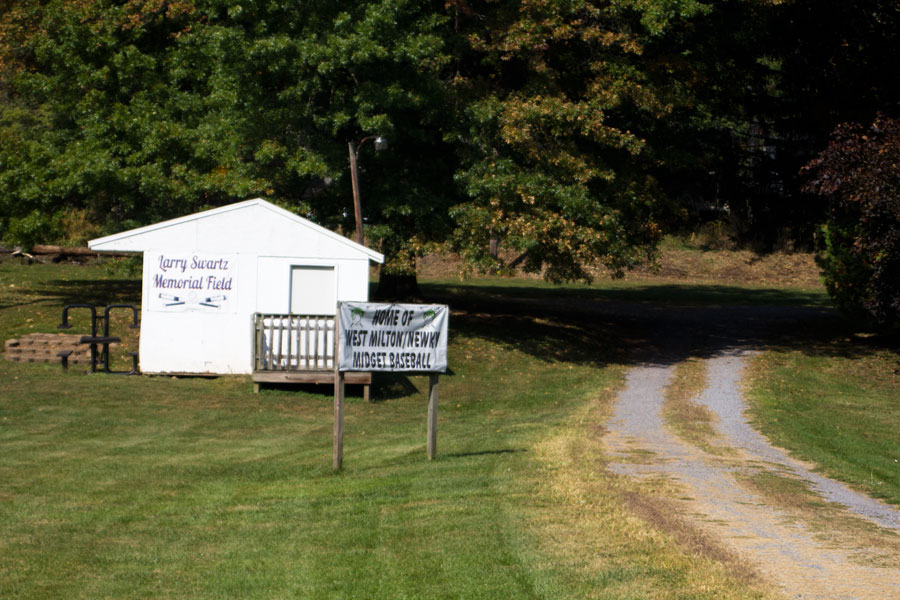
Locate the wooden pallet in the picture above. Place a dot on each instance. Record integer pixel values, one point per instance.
(45, 347)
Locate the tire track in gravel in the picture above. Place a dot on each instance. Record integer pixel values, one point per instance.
(724, 399)
(785, 552)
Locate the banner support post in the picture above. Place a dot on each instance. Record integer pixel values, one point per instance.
(401, 338)
(432, 414)
(338, 451)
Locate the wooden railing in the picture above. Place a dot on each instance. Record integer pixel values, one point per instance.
(293, 342)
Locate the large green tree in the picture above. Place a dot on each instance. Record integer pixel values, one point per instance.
(132, 111)
(557, 102)
(720, 81)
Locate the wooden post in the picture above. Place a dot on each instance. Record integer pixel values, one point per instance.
(280, 362)
(354, 182)
(432, 414)
(315, 342)
(308, 333)
(290, 337)
(338, 451)
(271, 360)
(258, 359)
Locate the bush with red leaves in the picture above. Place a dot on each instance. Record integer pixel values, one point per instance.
(859, 173)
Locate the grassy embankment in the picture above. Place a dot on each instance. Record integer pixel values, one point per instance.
(138, 486)
(835, 403)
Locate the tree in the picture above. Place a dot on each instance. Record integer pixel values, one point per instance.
(828, 59)
(560, 130)
(555, 101)
(859, 174)
(140, 110)
(758, 86)
(719, 78)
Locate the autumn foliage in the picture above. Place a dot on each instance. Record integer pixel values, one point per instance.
(859, 173)
(555, 158)
(540, 134)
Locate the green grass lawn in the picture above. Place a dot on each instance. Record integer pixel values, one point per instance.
(159, 487)
(123, 487)
(836, 405)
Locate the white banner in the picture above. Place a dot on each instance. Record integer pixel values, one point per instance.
(393, 337)
(181, 282)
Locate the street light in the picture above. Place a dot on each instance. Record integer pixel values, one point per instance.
(380, 144)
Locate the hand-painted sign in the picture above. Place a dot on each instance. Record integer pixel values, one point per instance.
(190, 282)
(393, 337)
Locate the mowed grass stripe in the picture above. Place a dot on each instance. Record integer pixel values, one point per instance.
(196, 487)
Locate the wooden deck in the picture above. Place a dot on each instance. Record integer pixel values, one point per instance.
(297, 349)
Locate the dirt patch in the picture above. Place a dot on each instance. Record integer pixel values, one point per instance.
(689, 420)
(829, 522)
(738, 266)
(686, 266)
(664, 515)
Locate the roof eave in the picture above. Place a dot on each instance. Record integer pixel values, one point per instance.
(97, 244)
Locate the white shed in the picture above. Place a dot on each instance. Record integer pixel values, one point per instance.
(248, 288)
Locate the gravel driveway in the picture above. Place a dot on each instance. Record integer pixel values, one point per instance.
(802, 560)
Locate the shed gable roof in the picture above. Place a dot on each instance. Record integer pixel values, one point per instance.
(138, 240)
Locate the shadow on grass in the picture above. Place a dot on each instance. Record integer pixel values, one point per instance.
(619, 323)
(390, 386)
(548, 336)
(838, 338)
(22, 303)
(385, 386)
(633, 325)
(656, 294)
(99, 292)
(323, 391)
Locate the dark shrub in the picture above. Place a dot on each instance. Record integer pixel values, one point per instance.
(859, 173)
